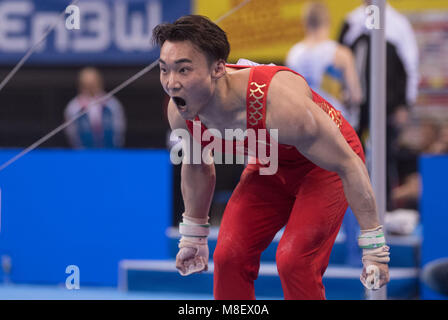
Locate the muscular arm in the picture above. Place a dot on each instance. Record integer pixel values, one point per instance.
(197, 180)
(197, 185)
(306, 126)
(320, 140)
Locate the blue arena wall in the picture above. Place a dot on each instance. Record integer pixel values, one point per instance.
(85, 208)
(434, 213)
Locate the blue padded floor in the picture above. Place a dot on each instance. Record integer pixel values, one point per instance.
(342, 283)
(41, 292)
(341, 279)
(47, 292)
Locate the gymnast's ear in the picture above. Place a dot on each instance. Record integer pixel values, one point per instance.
(218, 69)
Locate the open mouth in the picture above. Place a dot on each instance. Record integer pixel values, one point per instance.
(180, 102)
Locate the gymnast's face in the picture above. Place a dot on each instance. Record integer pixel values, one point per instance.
(186, 76)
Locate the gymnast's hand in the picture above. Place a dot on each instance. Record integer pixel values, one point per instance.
(374, 275)
(193, 249)
(375, 258)
(192, 256)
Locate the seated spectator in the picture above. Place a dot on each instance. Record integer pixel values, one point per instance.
(103, 126)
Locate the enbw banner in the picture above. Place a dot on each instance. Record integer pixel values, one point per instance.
(109, 31)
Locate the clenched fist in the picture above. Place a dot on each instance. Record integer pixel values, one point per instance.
(192, 257)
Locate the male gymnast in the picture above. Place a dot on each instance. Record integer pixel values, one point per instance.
(320, 170)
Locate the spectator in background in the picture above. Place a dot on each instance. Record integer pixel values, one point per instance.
(401, 76)
(417, 138)
(103, 126)
(328, 67)
(425, 137)
(440, 145)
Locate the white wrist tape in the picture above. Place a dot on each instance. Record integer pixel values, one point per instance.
(373, 245)
(380, 255)
(371, 239)
(192, 232)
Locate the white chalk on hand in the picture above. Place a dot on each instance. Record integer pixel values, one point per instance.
(373, 277)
